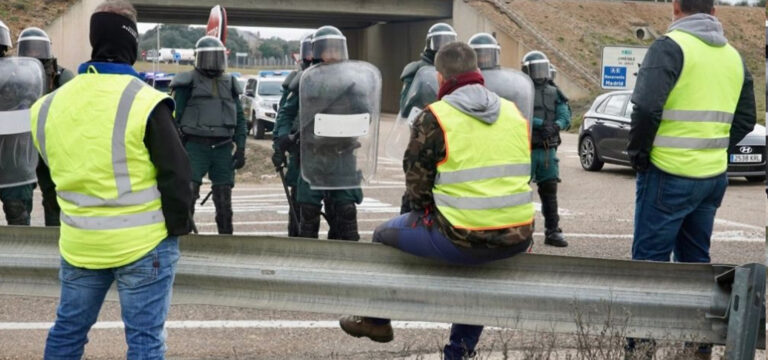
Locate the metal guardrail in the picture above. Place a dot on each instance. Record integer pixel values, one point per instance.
(721, 304)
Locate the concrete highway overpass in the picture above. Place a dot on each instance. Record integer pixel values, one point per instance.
(386, 33)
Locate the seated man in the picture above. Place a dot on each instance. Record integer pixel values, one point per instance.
(467, 171)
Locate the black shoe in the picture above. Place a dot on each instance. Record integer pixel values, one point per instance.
(554, 237)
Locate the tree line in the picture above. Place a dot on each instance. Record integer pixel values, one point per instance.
(185, 37)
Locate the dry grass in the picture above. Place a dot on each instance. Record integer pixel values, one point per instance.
(580, 29)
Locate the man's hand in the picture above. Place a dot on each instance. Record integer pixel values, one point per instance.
(639, 162)
(238, 160)
(278, 159)
(284, 143)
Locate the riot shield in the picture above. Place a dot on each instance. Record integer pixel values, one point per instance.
(339, 118)
(512, 85)
(22, 82)
(423, 91)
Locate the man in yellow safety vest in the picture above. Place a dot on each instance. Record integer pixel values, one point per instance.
(692, 102)
(123, 184)
(467, 169)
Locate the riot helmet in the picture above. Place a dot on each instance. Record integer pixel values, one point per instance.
(328, 45)
(536, 65)
(34, 42)
(439, 35)
(210, 56)
(306, 50)
(487, 49)
(5, 38)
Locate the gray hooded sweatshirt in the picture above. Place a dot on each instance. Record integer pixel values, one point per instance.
(476, 101)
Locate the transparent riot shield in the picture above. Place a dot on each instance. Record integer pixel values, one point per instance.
(22, 82)
(423, 91)
(339, 124)
(512, 85)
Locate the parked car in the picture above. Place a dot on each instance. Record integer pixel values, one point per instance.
(604, 135)
(158, 80)
(262, 94)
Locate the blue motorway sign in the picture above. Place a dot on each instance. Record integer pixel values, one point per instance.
(614, 77)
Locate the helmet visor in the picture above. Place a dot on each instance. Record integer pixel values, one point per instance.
(487, 57)
(213, 59)
(35, 48)
(437, 40)
(330, 48)
(538, 69)
(306, 50)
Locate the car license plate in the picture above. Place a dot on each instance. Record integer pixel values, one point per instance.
(746, 158)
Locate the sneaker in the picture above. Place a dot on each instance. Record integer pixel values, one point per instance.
(359, 326)
(555, 238)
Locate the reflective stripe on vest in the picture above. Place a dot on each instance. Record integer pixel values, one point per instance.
(91, 134)
(483, 185)
(694, 134)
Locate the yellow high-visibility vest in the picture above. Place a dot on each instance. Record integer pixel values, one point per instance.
(482, 184)
(90, 132)
(693, 137)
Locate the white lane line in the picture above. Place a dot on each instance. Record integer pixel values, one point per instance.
(280, 222)
(719, 237)
(738, 224)
(230, 324)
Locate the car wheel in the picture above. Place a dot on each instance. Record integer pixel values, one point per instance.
(588, 155)
(755, 178)
(260, 128)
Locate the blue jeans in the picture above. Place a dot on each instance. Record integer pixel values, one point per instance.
(675, 215)
(144, 288)
(409, 233)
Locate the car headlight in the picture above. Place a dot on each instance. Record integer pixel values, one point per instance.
(265, 105)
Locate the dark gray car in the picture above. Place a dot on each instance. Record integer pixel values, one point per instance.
(604, 135)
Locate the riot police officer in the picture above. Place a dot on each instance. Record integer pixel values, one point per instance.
(34, 42)
(550, 115)
(286, 131)
(210, 117)
(510, 84)
(338, 112)
(438, 35)
(419, 90)
(22, 82)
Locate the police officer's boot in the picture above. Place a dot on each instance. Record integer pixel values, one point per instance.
(16, 212)
(293, 226)
(195, 195)
(51, 210)
(548, 195)
(331, 217)
(222, 200)
(309, 220)
(346, 221)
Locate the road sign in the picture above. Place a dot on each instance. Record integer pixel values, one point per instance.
(620, 66)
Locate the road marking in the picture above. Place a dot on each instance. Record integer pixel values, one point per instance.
(282, 222)
(232, 324)
(738, 224)
(726, 236)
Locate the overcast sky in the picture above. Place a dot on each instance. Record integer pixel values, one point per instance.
(266, 32)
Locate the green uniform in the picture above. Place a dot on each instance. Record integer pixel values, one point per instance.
(551, 114)
(544, 161)
(286, 122)
(210, 117)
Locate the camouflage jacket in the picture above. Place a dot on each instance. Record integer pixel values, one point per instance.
(425, 149)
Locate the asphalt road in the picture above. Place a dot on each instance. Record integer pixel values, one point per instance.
(596, 211)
